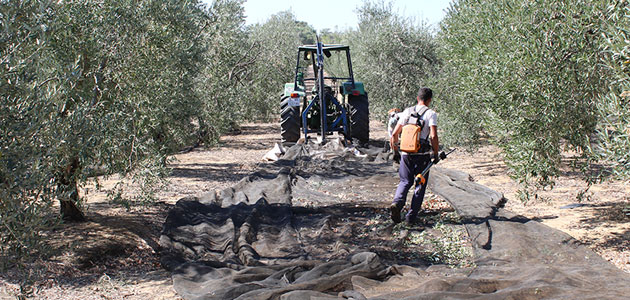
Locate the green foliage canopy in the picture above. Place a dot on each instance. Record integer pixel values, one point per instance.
(392, 55)
(276, 42)
(611, 145)
(112, 86)
(526, 74)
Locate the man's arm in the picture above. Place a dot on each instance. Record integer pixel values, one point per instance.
(394, 139)
(435, 142)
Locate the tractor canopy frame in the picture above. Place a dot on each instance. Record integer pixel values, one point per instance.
(316, 54)
(326, 51)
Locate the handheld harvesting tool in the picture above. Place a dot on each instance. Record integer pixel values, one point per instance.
(420, 178)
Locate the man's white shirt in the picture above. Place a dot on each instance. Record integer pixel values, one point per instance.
(429, 117)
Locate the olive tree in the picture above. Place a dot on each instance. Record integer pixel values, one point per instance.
(223, 85)
(88, 85)
(25, 115)
(129, 98)
(393, 55)
(275, 43)
(526, 74)
(611, 145)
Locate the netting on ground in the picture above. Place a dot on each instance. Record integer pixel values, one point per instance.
(297, 229)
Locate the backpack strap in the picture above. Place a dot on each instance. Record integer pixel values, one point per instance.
(424, 109)
(420, 113)
(425, 141)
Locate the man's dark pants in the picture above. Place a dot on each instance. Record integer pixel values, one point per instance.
(410, 166)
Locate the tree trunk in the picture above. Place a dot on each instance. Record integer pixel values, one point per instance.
(68, 193)
(70, 212)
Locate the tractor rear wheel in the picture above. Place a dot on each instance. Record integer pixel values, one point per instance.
(290, 123)
(358, 108)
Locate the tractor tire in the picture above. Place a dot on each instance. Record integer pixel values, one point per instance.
(359, 118)
(290, 121)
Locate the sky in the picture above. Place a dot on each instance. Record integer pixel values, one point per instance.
(340, 14)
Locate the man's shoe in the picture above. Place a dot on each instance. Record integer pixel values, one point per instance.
(395, 212)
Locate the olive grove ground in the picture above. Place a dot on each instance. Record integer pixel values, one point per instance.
(114, 254)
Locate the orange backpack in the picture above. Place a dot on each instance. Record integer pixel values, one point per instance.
(410, 140)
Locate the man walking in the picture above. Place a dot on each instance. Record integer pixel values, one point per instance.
(413, 163)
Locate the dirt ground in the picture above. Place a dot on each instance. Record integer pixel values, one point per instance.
(114, 254)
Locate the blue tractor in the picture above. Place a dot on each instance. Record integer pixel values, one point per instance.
(336, 103)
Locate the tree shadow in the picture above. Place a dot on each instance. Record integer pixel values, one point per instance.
(607, 212)
(127, 241)
(210, 171)
(575, 167)
(547, 217)
(264, 144)
(472, 220)
(492, 167)
(252, 129)
(340, 167)
(619, 241)
(117, 247)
